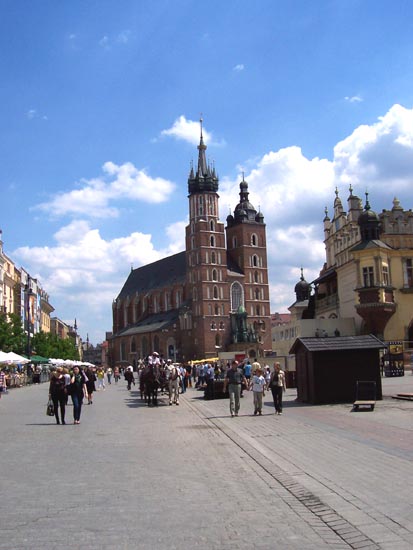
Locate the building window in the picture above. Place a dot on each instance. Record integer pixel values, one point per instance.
(213, 258)
(386, 276)
(408, 273)
(212, 240)
(255, 260)
(211, 225)
(254, 240)
(133, 345)
(215, 292)
(236, 296)
(214, 275)
(257, 293)
(216, 309)
(368, 276)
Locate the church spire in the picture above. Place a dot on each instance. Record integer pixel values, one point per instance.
(205, 178)
(202, 164)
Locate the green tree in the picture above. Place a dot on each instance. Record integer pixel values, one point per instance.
(12, 336)
(50, 345)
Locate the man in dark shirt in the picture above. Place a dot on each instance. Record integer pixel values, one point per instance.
(233, 379)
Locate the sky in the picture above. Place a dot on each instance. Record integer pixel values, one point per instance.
(100, 104)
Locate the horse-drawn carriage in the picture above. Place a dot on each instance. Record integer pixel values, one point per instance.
(155, 380)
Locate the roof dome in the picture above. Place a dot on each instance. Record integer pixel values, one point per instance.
(369, 223)
(302, 289)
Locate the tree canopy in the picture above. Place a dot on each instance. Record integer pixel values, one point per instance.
(50, 345)
(12, 336)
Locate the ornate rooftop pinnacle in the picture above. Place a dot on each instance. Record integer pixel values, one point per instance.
(205, 178)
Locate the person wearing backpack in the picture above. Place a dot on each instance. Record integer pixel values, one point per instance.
(277, 385)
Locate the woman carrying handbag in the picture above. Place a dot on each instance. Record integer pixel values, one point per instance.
(57, 394)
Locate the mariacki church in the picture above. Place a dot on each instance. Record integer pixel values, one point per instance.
(212, 297)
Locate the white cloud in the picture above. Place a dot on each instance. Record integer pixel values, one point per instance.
(123, 37)
(33, 113)
(238, 68)
(104, 42)
(94, 197)
(84, 272)
(187, 130)
(379, 155)
(354, 99)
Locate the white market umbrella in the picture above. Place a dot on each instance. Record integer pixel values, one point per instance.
(16, 359)
(4, 357)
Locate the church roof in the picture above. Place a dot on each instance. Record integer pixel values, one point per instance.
(163, 273)
(153, 323)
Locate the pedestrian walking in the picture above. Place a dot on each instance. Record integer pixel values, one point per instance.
(78, 391)
(90, 385)
(116, 375)
(67, 378)
(173, 384)
(129, 377)
(109, 373)
(3, 385)
(258, 386)
(233, 380)
(277, 385)
(101, 378)
(247, 371)
(210, 377)
(57, 394)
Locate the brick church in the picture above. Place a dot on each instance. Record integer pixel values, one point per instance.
(213, 297)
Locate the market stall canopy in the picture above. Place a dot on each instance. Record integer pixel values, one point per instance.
(38, 359)
(13, 358)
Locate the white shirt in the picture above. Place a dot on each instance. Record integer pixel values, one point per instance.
(258, 383)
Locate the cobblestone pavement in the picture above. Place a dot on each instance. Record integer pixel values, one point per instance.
(132, 477)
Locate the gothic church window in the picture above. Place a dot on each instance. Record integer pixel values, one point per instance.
(254, 240)
(212, 240)
(214, 275)
(236, 296)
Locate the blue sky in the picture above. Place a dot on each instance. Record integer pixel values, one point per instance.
(99, 109)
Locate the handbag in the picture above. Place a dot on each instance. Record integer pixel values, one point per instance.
(50, 408)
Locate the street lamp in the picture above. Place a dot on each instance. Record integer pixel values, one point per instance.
(29, 294)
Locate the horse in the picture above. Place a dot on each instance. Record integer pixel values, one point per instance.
(150, 383)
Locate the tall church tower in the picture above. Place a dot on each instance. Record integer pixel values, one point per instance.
(206, 260)
(247, 248)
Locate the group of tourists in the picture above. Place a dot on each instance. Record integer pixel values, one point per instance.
(174, 379)
(79, 385)
(64, 384)
(258, 380)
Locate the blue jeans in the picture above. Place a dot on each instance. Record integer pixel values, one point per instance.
(77, 405)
